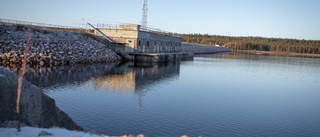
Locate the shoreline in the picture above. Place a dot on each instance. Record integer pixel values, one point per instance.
(279, 53)
(212, 52)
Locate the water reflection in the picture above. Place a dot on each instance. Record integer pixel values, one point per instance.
(238, 56)
(133, 77)
(136, 78)
(226, 95)
(128, 78)
(266, 66)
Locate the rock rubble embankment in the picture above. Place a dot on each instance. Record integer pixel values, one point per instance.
(48, 47)
(202, 49)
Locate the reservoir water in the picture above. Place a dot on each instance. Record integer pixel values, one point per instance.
(224, 95)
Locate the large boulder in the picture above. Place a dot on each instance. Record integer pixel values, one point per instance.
(36, 108)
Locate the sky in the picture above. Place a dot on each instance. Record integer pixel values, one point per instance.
(297, 19)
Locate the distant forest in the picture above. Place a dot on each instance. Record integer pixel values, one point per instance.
(255, 43)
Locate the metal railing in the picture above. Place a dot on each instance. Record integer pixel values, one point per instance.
(10, 22)
(159, 31)
(108, 26)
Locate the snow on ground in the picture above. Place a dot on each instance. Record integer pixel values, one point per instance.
(34, 132)
(202, 49)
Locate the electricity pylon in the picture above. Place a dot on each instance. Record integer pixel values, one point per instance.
(144, 14)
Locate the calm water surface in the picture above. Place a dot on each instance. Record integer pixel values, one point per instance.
(225, 95)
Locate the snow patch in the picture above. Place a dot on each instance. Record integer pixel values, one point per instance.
(34, 132)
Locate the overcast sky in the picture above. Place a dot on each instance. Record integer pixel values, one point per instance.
(298, 19)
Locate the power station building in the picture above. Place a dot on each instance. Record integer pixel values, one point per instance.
(135, 39)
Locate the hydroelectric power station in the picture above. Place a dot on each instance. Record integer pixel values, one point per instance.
(140, 43)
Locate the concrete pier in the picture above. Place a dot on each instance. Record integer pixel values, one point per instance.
(162, 57)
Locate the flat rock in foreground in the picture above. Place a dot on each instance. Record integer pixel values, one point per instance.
(36, 108)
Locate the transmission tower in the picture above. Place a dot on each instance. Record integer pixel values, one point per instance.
(144, 14)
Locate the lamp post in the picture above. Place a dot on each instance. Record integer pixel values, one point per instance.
(82, 22)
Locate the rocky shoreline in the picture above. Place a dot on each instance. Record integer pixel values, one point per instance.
(202, 49)
(48, 47)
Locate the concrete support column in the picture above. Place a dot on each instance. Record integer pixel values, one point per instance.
(143, 47)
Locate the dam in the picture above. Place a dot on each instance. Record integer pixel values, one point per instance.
(136, 43)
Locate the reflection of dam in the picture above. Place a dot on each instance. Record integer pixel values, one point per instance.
(134, 78)
(45, 77)
(131, 77)
(121, 78)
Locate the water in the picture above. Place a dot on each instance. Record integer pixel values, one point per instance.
(212, 95)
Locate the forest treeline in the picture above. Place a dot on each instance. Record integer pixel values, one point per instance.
(255, 43)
